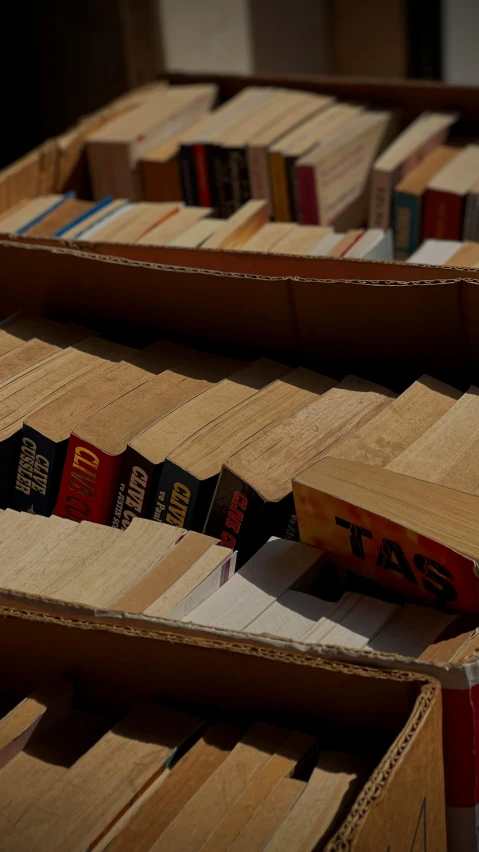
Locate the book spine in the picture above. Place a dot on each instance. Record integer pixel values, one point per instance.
(88, 483)
(188, 175)
(133, 490)
(182, 499)
(380, 200)
(9, 452)
(407, 224)
(279, 188)
(470, 228)
(236, 515)
(307, 195)
(259, 175)
(222, 180)
(443, 214)
(202, 180)
(244, 181)
(38, 474)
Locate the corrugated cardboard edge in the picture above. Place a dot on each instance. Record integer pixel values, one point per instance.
(71, 616)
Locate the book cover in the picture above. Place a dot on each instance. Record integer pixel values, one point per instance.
(307, 206)
(88, 483)
(137, 479)
(39, 472)
(188, 175)
(182, 499)
(407, 219)
(386, 552)
(9, 452)
(244, 520)
(443, 215)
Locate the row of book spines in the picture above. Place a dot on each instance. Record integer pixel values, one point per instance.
(437, 215)
(79, 482)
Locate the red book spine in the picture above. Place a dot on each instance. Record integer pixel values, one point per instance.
(443, 212)
(201, 167)
(89, 480)
(307, 195)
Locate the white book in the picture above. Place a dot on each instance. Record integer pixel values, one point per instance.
(375, 244)
(325, 244)
(435, 252)
(335, 617)
(361, 624)
(89, 233)
(292, 615)
(264, 578)
(411, 631)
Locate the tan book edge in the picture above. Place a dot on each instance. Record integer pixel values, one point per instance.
(163, 234)
(240, 227)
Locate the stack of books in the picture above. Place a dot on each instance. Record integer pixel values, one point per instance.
(117, 221)
(166, 778)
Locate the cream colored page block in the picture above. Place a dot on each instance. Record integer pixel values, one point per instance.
(291, 616)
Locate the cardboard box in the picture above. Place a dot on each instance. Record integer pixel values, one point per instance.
(401, 805)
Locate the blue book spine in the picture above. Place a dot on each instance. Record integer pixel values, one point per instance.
(39, 218)
(84, 216)
(407, 224)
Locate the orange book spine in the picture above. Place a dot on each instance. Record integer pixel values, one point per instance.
(201, 168)
(89, 480)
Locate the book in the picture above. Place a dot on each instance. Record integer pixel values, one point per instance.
(336, 173)
(435, 252)
(160, 171)
(291, 616)
(39, 711)
(343, 245)
(103, 784)
(46, 433)
(399, 424)
(285, 153)
(106, 226)
(409, 200)
(354, 626)
(253, 498)
(268, 815)
(96, 446)
(326, 244)
(18, 360)
(231, 149)
(172, 567)
(88, 217)
(190, 472)
(109, 571)
(62, 215)
(425, 133)
(139, 220)
(25, 565)
(470, 228)
(165, 232)
(374, 244)
(436, 451)
(196, 821)
(304, 105)
(240, 227)
(197, 234)
(268, 236)
(275, 568)
(331, 788)
(23, 540)
(38, 386)
(466, 255)
(415, 537)
(19, 219)
(300, 240)
(198, 178)
(183, 780)
(57, 333)
(195, 585)
(411, 631)
(445, 201)
(138, 491)
(282, 765)
(114, 150)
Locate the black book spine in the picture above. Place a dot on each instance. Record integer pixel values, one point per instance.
(9, 452)
(239, 179)
(293, 190)
(236, 516)
(181, 499)
(210, 155)
(134, 489)
(188, 174)
(39, 472)
(222, 182)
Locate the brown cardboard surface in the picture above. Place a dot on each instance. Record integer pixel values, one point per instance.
(388, 331)
(183, 665)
